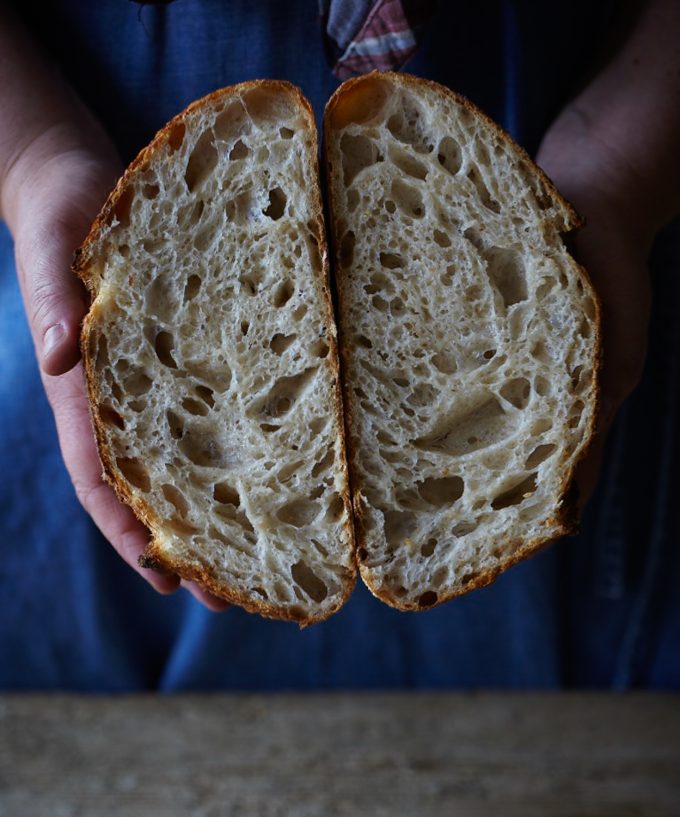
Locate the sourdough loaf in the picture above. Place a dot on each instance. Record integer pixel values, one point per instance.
(211, 358)
(469, 339)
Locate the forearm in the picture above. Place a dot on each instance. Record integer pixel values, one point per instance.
(41, 116)
(628, 117)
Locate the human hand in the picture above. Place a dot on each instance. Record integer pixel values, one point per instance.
(613, 247)
(50, 196)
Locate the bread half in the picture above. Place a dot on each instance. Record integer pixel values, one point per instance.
(469, 339)
(211, 357)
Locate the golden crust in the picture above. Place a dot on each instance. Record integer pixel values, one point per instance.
(85, 266)
(565, 518)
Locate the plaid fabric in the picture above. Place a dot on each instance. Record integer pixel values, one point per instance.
(367, 35)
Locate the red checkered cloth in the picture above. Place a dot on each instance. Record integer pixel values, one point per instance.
(367, 35)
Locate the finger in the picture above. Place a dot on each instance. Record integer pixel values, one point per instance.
(56, 301)
(114, 519)
(213, 603)
(588, 471)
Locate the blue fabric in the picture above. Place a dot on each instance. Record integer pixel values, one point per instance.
(601, 609)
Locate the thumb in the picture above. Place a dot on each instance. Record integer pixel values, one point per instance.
(54, 210)
(55, 299)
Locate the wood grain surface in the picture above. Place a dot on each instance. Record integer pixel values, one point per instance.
(349, 755)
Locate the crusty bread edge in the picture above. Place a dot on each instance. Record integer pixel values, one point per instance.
(154, 556)
(565, 520)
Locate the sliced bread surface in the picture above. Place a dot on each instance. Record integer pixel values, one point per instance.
(469, 339)
(211, 356)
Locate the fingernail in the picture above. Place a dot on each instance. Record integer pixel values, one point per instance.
(52, 338)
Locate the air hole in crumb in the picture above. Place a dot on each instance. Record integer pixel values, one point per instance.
(150, 191)
(362, 340)
(391, 260)
(449, 155)
(335, 508)
(441, 239)
(399, 526)
(283, 394)
(358, 153)
(390, 206)
(539, 455)
(575, 376)
(299, 312)
(516, 494)
(442, 491)
(317, 424)
(408, 164)
(298, 513)
(320, 349)
(176, 424)
(489, 354)
(195, 407)
(283, 294)
(575, 419)
(122, 207)
(176, 136)
(474, 238)
(202, 161)
(191, 287)
(380, 303)
(506, 272)
(134, 472)
(542, 386)
(397, 307)
(279, 343)
(176, 498)
(428, 548)
(206, 394)
(286, 133)
(427, 599)
(313, 250)
(445, 363)
(245, 326)
(164, 345)
(137, 383)
(277, 204)
(477, 424)
(287, 471)
(239, 151)
(447, 277)
(463, 528)
(320, 548)
(517, 392)
(250, 283)
(483, 191)
(306, 578)
(181, 527)
(111, 417)
(407, 198)
(540, 352)
(268, 428)
(201, 446)
(266, 105)
(324, 464)
(225, 494)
